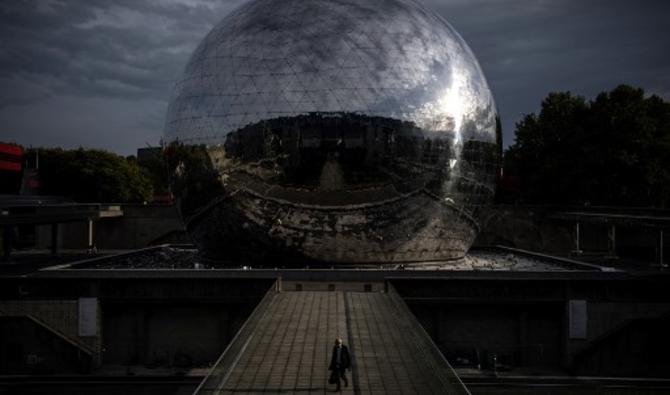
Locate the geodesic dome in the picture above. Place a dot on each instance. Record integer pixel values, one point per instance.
(335, 131)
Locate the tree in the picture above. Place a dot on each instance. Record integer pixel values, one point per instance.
(154, 167)
(614, 150)
(87, 175)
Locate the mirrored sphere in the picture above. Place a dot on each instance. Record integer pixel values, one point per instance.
(332, 131)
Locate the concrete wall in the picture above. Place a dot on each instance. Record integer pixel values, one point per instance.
(183, 320)
(30, 348)
(140, 226)
(605, 318)
(45, 334)
(169, 335)
(527, 324)
(165, 320)
(638, 348)
(518, 335)
(527, 336)
(59, 315)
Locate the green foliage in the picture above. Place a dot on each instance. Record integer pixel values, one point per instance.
(613, 150)
(154, 167)
(87, 175)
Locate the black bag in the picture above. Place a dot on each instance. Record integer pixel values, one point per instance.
(333, 377)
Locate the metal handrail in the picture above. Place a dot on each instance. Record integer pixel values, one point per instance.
(450, 380)
(216, 378)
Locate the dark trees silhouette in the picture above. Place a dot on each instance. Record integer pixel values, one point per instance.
(88, 175)
(613, 150)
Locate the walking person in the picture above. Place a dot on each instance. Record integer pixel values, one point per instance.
(340, 362)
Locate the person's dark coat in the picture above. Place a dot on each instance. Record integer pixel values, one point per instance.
(345, 359)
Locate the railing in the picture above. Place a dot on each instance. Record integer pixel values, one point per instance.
(217, 377)
(451, 383)
(38, 213)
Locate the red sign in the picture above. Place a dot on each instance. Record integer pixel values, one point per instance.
(10, 166)
(11, 157)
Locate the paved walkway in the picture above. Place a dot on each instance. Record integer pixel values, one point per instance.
(289, 350)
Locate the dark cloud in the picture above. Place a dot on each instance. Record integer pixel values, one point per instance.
(99, 73)
(529, 48)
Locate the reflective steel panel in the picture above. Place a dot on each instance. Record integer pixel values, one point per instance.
(332, 131)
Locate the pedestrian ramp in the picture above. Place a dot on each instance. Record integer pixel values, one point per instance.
(285, 347)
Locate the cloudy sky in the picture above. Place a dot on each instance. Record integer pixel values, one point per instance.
(98, 73)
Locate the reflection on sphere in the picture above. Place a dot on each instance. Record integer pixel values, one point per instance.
(332, 131)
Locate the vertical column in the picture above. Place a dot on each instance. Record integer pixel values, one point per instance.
(577, 319)
(660, 248)
(577, 250)
(90, 233)
(611, 242)
(54, 240)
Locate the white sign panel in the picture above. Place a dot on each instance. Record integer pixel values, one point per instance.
(88, 316)
(577, 315)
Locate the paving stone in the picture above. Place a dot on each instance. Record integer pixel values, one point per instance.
(289, 350)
